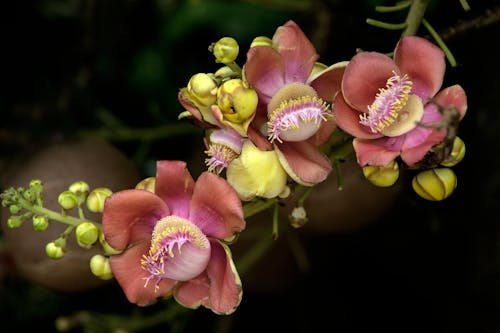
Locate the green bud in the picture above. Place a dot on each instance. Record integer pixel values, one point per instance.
(147, 184)
(96, 198)
(14, 209)
(106, 247)
(29, 195)
(435, 184)
(99, 265)
(86, 234)
(261, 41)
(79, 187)
(226, 50)
(382, 176)
(40, 223)
(54, 251)
(67, 200)
(14, 222)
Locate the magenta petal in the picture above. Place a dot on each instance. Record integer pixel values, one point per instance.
(453, 96)
(265, 71)
(415, 154)
(215, 207)
(373, 152)
(329, 82)
(348, 120)
(128, 272)
(365, 74)
(298, 52)
(174, 184)
(130, 215)
(423, 62)
(304, 162)
(324, 133)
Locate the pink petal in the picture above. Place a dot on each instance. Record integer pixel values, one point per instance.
(324, 133)
(298, 52)
(130, 215)
(329, 82)
(128, 272)
(423, 62)
(215, 207)
(453, 95)
(174, 184)
(415, 154)
(303, 162)
(374, 152)
(365, 74)
(220, 289)
(265, 71)
(348, 120)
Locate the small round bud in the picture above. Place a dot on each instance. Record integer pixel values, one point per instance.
(96, 198)
(67, 200)
(147, 184)
(202, 89)
(29, 195)
(99, 265)
(35, 183)
(14, 222)
(435, 184)
(226, 50)
(261, 41)
(298, 217)
(40, 223)
(54, 251)
(86, 234)
(382, 176)
(105, 246)
(236, 100)
(14, 209)
(457, 153)
(79, 187)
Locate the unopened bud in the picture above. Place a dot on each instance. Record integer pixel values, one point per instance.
(96, 198)
(457, 153)
(86, 234)
(105, 246)
(40, 223)
(298, 217)
(236, 100)
(14, 222)
(29, 195)
(435, 184)
(202, 89)
(226, 50)
(382, 176)
(261, 41)
(79, 187)
(99, 265)
(67, 200)
(14, 209)
(147, 184)
(54, 251)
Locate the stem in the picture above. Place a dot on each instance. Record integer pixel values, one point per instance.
(415, 16)
(385, 25)
(275, 220)
(303, 197)
(440, 42)
(256, 206)
(400, 6)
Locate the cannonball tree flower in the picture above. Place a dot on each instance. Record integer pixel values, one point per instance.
(295, 92)
(390, 105)
(172, 240)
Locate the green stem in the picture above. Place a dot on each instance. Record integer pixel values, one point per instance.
(400, 6)
(415, 16)
(303, 196)
(385, 25)
(257, 206)
(66, 219)
(440, 42)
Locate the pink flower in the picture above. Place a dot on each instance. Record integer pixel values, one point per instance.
(294, 94)
(171, 239)
(386, 103)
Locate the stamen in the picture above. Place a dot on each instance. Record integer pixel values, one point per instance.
(388, 102)
(219, 157)
(297, 119)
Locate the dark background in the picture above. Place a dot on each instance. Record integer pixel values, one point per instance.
(87, 68)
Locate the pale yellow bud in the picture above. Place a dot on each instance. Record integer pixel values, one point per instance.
(457, 153)
(105, 246)
(435, 184)
(54, 251)
(147, 184)
(67, 200)
(99, 265)
(382, 176)
(96, 198)
(298, 217)
(79, 187)
(226, 50)
(261, 41)
(236, 100)
(202, 90)
(86, 234)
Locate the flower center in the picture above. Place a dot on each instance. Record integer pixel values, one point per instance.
(179, 251)
(295, 113)
(220, 156)
(394, 111)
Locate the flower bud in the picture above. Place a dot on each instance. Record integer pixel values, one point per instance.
(67, 200)
(298, 217)
(435, 184)
(261, 41)
(54, 251)
(96, 198)
(40, 223)
(382, 176)
(147, 184)
(79, 187)
(99, 265)
(457, 153)
(14, 221)
(226, 50)
(236, 100)
(105, 246)
(86, 234)
(202, 90)
(14, 209)
(29, 195)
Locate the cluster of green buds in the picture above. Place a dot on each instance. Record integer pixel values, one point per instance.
(27, 203)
